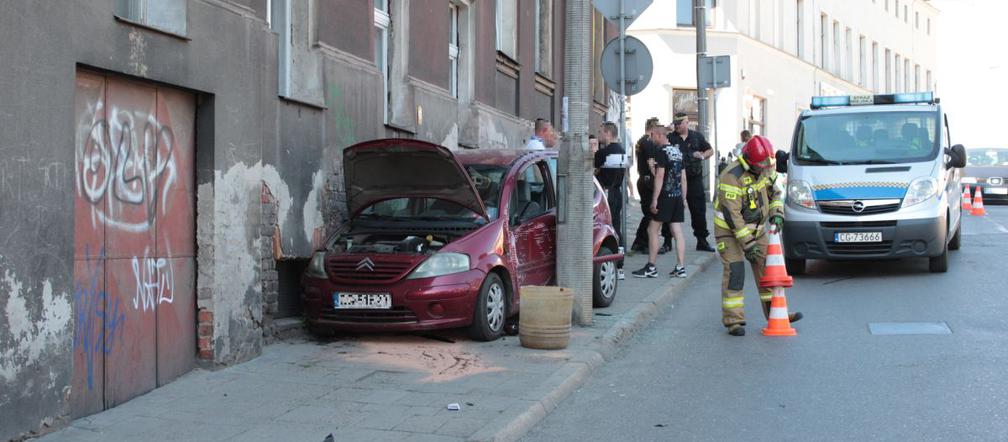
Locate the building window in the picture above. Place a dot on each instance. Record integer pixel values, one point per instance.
(905, 17)
(507, 28)
(823, 41)
(929, 86)
(929, 26)
(799, 29)
(888, 70)
(874, 66)
(896, 9)
(862, 62)
(382, 22)
(685, 101)
(755, 114)
(897, 81)
(453, 49)
(684, 12)
(167, 15)
(849, 62)
(887, 5)
(837, 68)
(757, 20)
(916, 20)
(917, 78)
(906, 75)
(544, 38)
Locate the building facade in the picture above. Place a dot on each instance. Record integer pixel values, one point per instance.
(166, 167)
(782, 53)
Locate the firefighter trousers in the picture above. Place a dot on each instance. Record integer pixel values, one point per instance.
(733, 280)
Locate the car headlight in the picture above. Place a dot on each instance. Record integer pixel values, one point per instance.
(968, 180)
(444, 263)
(799, 193)
(316, 268)
(920, 190)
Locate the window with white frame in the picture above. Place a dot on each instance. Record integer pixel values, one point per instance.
(906, 74)
(507, 28)
(823, 41)
(888, 70)
(897, 81)
(929, 26)
(755, 114)
(837, 67)
(917, 78)
(916, 20)
(685, 12)
(544, 37)
(929, 86)
(874, 66)
(382, 23)
(896, 9)
(799, 28)
(905, 19)
(862, 61)
(453, 49)
(167, 15)
(849, 62)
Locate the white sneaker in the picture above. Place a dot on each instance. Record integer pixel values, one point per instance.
(678, 272)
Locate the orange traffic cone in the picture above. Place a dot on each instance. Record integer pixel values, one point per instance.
(966, 204)
(978, 208)
(779, 324)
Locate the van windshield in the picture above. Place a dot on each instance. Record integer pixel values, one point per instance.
(867, 138)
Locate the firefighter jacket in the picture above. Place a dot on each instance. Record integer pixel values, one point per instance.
(746, 200)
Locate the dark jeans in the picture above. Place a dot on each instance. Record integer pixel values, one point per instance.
(616, 210)
(645, 188)
(697, 202)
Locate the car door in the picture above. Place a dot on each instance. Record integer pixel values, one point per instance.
(533, 226)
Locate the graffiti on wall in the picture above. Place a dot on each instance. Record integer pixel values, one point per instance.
(97, 325)
(154, 283)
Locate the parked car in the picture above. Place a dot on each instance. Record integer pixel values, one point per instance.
(440, 240)
(987, 169)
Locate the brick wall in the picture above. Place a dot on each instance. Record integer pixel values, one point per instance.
(270, 232)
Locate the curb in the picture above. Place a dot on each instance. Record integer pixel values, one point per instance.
(573, 374)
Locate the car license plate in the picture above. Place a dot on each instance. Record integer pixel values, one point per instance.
(996, 190)
(858, 236)
(361, 300)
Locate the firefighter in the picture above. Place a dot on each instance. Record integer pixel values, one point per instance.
(747, 204)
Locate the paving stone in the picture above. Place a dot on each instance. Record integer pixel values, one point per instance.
(421, 424)
(461, 426)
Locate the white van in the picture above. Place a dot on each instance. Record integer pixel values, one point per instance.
(872, 177)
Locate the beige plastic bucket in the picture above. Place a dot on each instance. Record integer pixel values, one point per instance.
(544, 320)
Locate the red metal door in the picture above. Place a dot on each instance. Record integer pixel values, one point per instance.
(134, 301)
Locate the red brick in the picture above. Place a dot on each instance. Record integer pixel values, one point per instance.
(206, 330)
(205, 316)
(203, 344)
(206, 355)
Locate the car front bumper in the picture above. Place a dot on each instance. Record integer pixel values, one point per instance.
(900, 239)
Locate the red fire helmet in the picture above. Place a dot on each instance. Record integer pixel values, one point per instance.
(757, 150)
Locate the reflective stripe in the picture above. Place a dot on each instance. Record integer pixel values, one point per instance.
(743, 162)
(740, 233)
(776, 203)
(721, 223)
(733, 302)
(778, 313)
(729, 188)
(720, 245)
(765, 296)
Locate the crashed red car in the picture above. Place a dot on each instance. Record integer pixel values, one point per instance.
(442, 240)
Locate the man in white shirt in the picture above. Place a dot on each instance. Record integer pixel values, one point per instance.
(542, 137)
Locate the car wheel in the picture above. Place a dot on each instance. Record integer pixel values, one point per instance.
(491, 310)
(795, 266)
(604, 281)
(956, 241)
(939, 264)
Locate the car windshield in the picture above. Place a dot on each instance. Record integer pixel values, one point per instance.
(867, 138)
(421, 209)
(987, 157)
(487, 179)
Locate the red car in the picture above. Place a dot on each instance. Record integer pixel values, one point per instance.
(441, 240)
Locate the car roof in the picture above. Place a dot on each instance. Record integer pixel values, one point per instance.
(500, 157)
(871, 108)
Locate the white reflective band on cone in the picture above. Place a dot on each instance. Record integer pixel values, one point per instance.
(775, 260)
(778, 313)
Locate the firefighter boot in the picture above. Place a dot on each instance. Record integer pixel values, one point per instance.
(736, 330)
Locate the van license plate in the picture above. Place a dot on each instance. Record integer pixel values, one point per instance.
(996, 190)
(342, 301)
(858, 236)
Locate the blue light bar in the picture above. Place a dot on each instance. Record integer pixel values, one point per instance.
(838, 100)
(915, 97)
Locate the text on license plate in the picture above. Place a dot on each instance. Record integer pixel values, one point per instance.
(996, 190)
(858, 236)
(361, 300)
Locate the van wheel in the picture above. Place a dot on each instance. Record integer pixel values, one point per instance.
(939, 264)
(795, 266)
(604, 281)
(491, 310)
(956, 241)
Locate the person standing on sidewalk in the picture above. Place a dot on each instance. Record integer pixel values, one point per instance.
(611, 178)
(695, 149)
(670, 188)
(747, 203)
(645, 151)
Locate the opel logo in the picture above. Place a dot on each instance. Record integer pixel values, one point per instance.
(366, 263)
(857, 207)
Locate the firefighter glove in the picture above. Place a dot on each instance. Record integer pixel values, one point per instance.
(777, 221)
(752, 253)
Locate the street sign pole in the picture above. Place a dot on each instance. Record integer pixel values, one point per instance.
(622, 125)
(700, 24)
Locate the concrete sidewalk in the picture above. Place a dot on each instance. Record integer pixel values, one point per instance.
(391, 387)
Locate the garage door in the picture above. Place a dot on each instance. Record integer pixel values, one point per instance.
(134, 239)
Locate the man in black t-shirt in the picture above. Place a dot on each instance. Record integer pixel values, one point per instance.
(645, 150)
(611, 178)
(666, 203)
(695, 149)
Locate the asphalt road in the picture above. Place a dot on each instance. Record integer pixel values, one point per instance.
(684, 378)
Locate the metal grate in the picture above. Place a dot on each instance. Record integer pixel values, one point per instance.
(847, 210)
(874, 248)
(385, 316)
(381, 268)
(854, 224)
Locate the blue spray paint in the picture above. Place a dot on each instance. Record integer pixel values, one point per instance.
(95, 319)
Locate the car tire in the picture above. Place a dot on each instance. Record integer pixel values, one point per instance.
(490, 312)
(604, 281)
(939, 264)
(795, 266)
(956, 241)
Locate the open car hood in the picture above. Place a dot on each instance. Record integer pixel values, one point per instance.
(383, 169)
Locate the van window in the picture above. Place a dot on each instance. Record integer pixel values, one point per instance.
(867, 138)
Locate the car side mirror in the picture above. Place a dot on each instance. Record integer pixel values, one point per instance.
(957, 156)
(782, 159)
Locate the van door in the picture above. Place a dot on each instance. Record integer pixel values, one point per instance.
(953, 188)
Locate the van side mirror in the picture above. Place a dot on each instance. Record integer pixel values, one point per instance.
(782, 159)
(957, 156)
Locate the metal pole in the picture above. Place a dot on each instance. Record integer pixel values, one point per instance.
(622, 122)
(700, 23)
(574, 224)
